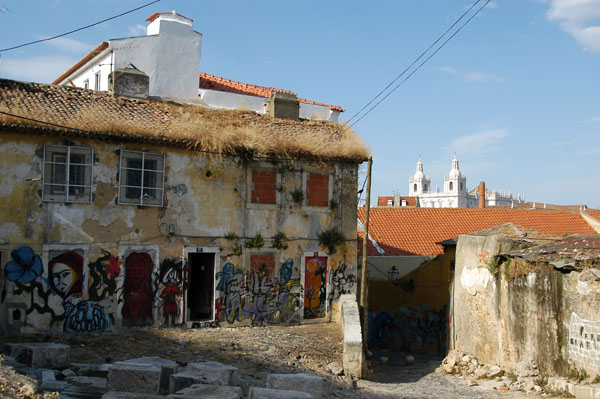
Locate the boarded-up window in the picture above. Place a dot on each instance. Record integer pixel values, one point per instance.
(264, 187)
(317, 189)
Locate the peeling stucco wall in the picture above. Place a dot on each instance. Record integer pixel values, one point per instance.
(547, 317)
(125, 262)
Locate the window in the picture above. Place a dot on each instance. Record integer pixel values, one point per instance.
(264, 187)
(451, 186)
(390, 202)
(415, 187)
(317, 189)
(86, 84)
(97, 81)
(141, 178)
(67, 174)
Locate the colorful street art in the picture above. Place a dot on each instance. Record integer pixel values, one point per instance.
(257, 296)
(85, 316)
(65, 274)
(24, 267)
(170, 277)
(410, 330)
(104, 273)
(315, 287)
(138, 293)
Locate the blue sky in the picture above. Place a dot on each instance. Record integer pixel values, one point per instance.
(515, 94)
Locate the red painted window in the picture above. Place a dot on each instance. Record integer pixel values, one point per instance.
(263, 263)
(264, 187)
(317, 189)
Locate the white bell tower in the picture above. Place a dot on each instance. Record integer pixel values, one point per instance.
(419, 183)
(455, 182)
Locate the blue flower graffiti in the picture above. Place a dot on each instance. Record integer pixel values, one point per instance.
(25, 266)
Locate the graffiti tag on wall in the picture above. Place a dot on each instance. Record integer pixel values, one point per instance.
(410, 330)
(258, 296)
(584, 343)
(171, 280)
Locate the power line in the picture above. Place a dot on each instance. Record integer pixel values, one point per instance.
(413, 63)
(423, 63)
(79, 29)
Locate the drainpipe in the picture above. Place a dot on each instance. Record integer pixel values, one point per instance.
(364, 282)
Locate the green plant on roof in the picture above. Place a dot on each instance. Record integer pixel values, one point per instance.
(231, 237)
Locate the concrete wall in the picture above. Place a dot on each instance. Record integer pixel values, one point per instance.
(128, 264)
(542, 315)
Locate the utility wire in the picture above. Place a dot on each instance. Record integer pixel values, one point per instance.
(413, 63)
(423, 63)
(79, 29)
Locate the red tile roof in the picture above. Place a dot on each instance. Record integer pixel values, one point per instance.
(212, 82)
(595, 213)
(414, 231)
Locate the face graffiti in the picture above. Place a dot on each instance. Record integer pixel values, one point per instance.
(65, 273)
(62, 277)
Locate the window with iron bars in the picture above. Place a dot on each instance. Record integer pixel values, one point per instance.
(141, 178)
(67, 174)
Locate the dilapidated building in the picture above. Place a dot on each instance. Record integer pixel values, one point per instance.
(120, 211)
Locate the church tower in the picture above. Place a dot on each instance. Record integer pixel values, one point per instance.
(455, 182)
(419, 183)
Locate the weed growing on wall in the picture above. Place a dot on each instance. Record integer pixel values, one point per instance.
(279, 241)
(330, 239)
(255, 242)
(297, 195)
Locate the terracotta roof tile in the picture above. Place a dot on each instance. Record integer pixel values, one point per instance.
(415, 231)
(212, 82)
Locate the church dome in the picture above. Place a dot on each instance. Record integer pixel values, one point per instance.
(454, 172)
(419, 175)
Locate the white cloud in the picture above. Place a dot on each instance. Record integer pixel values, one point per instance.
(580, 18)
(480, 142)
(70, 45)
(137, 30)
(43, 69)
(473, 76)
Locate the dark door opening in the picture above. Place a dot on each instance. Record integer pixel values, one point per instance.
(200, 292)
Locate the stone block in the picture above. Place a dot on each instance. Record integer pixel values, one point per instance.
(80, 392)
(266, 393)
(214, 372)
(168, 367)
(587, 391)
(134, 377)
(54, 385)
(84, 381)
(41, 355)
(129, 395)
(185, 379)
(208, 392)
(309, 383)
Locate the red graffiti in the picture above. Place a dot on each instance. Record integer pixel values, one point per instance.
(137, 290)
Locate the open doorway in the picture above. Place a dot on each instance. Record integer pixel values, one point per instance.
(200, 292)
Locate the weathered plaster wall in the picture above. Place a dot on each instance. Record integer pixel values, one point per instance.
(547, 317)
(122, 254)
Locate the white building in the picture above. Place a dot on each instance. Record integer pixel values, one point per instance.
(169, 37)
(455, 193)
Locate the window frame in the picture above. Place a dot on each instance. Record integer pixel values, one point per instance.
(159, 188)
(86, 84)
(63, 191)
(330, 191)
(262, 167)
(97, 78)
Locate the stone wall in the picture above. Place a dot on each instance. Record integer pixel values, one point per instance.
(543, 316)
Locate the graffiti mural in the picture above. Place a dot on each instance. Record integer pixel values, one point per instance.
(104, 273)
(25, 271)
(258, 296)
(341, 282)
(315, 287)
(170, 277)
(65, 274)
(85, 316)
(138, 291)
(410, 330)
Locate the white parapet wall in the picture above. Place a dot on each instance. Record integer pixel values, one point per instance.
(353, 356)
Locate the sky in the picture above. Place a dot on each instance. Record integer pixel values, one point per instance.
(514, 95)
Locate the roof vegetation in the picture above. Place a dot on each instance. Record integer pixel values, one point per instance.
(85, 112)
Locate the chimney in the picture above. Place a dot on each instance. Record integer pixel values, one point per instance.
(481, 194)
(129, 82)
(283, 105)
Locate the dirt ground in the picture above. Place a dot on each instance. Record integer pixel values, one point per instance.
(257, 352)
